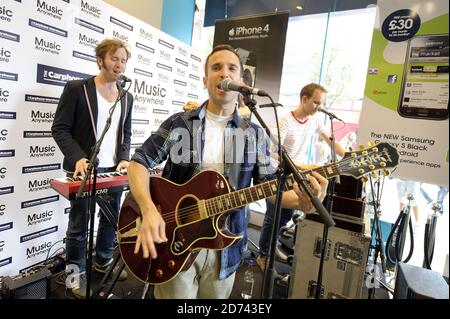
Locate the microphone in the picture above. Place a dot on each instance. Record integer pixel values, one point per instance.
(124, 78)
(321, 109)
(228, 84)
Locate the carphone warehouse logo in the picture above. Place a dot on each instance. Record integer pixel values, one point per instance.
(9, 36)
(8, 76)
(6, 190)
(39, 201)
(46, 27)
(7, 115)
(121, 23)
(41, 168)
(89, 26)
(41, 99)
(7, 153)
(56, 76)
(38, 234)
(37, 134)
(6, 226)
(5, 261)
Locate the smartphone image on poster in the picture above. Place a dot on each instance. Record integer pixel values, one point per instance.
(424, 89)
(248, 60)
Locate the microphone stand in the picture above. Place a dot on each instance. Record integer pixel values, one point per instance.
(92, 169)
(286, 167)
(329, 206)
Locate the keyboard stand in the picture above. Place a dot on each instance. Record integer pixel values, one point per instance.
(104, 289)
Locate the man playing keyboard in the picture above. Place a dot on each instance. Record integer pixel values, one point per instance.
(79, 121)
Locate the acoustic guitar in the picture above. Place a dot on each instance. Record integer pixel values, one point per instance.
(195, 213)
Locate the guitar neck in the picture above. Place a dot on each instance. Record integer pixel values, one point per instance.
(242, 197)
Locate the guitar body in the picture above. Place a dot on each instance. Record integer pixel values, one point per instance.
(195, 212)
(188, 227)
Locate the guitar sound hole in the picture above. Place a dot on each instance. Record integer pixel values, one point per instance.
(187, 211)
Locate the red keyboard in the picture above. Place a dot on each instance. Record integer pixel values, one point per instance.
(107, 183)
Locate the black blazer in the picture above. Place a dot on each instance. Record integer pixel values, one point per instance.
(72, 127)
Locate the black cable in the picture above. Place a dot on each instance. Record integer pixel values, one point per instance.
(411, 238)
(399, 226)
(389, 239)
(426, 242)
(429, 241)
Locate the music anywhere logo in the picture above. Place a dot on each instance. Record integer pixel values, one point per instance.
(5, 55)
(52, 47)
(4, 95)
(3, 172)
(91, 10)
(5, 14)
(3, 135)
(49, 10)
(38, 249)
(38, 218)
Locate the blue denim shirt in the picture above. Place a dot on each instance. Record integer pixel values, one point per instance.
(180, 141)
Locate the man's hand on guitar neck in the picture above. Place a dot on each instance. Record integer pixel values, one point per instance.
(319, 185)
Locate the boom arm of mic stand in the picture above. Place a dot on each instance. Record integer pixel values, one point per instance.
(299, 177)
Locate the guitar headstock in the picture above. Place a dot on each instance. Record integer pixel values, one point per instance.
(382, 156)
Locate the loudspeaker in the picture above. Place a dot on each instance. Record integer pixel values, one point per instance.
(34, 285)
(414, 282)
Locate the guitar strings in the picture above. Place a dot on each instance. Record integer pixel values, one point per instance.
(210, 205)
(193, 209)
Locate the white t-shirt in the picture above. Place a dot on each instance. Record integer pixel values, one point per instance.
(107, 154)
(296, 136)
(213, 157)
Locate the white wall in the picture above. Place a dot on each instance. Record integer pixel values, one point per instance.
(148, 11)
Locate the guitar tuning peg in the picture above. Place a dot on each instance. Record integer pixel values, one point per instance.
(364, 179)
(371, 167)
(375, 149)
(361, 171)
(375, 175)
(370, 143)
(361, 147)
(386, 172)
(382, 164)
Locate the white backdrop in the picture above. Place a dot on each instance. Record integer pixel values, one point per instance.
(43, 44)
